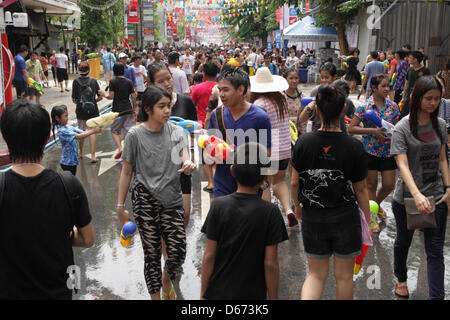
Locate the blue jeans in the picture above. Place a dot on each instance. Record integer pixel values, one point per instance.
(434, 248)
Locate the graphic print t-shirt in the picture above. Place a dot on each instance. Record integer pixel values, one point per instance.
(423, 158)
(328, 163)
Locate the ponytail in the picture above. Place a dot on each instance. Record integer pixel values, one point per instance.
(57, 111)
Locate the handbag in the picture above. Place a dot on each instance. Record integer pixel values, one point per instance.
(417, 220)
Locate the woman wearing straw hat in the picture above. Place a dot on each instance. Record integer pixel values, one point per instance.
(266, 93)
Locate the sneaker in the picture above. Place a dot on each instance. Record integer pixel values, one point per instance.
(292, 220)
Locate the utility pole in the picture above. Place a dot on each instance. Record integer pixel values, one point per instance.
(125, 21)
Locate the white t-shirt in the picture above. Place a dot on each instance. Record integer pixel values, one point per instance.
(61, 60)
(291, 62)
(180, 83)
(187, 63)
(253, 59)
(140, 73)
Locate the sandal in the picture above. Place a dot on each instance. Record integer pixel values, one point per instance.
(401, 290)
(208, 190)
(172, 295)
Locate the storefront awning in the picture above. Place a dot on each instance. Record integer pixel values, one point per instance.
(52, 7)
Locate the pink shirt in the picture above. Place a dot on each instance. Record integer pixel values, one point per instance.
(281, 134)
(200, 96)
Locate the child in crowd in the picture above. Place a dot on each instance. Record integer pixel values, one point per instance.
(328, 73)
(243, 231)
(68, 136)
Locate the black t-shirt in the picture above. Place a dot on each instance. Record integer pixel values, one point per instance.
(122, 88)
(243, 225)
(327, 164)
(78, 84)
(184, 108)
(412, 76)
(35, 244)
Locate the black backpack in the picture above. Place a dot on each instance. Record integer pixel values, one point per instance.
(87, 100)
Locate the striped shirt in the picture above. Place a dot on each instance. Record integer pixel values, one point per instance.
(281, 134)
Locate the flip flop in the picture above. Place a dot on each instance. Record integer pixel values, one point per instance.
(93, 161)
(171, 294)
(208, 190)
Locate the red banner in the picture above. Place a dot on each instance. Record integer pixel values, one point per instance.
(133, 12)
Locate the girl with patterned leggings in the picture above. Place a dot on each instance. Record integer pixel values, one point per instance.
(156, 152)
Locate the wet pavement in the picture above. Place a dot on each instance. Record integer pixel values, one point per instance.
(110, 271)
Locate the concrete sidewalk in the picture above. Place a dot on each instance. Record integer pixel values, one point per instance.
(52, 97)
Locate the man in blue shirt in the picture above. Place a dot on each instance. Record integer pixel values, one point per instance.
(108, 61)
(374, 67)
(129, 72)
(20, 80)
(243, 121)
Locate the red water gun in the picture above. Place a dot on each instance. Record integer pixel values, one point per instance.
(359, 259)
(215, 146)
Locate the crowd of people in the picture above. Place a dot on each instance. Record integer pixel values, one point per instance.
(228, 91)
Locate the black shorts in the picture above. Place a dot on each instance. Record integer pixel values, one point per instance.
(186, 183)
(343, 239)
(72, 169)
(46, 74)
(61, 74)
(21, 87)
(380, 164)
(54, 72)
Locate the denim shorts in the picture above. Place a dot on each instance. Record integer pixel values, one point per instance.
(343, 239)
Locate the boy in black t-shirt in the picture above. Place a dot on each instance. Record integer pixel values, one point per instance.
(121, 91)
(415, 72)
(240, 259)
(39, 225)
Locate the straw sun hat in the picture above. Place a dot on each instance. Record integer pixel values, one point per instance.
(264, 81)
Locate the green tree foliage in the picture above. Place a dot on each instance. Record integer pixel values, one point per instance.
(337, 14)
(101, 26)
(253, 24)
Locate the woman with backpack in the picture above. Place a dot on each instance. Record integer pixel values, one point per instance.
(85, 93)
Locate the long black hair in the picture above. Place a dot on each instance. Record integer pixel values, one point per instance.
(421, 87)
(57, 111)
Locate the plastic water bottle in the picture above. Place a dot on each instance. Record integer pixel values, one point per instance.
(309, 126)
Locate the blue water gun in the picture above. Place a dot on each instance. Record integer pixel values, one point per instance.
(307, 100)
(387, 127)
(187, 125)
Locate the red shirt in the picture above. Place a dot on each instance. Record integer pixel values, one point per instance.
(200, 96)
(393, 63)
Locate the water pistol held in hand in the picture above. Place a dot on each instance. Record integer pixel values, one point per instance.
(215, 146)
(104, 120)
(127, 233)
